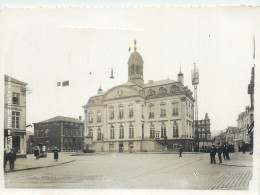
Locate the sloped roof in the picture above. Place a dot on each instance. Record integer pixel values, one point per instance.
(63, 119)
(158, 83)
(232, 129)
(14, 80)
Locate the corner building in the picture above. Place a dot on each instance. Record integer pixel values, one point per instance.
(152, 116)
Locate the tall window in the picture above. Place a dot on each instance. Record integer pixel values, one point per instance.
(151, 131)
(121, 113)
(112, 132)
(99, 134)
(121, 135)
(111, 115)
(175, 130)
(175, 111)
(16, 98)
(99, 117)
(132, 69)
(90, 132)
(163, 112)
(138, 69)
(15, 119)
(131, 131)
(90, 117)
(163, 130)
(131, 113)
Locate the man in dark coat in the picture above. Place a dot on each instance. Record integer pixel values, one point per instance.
(36, 153)
(227, 152)
(12, 158)
(219, 150)
(56, 154)
(212, 155)
(180, 151)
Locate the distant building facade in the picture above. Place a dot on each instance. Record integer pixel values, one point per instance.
(15, 115)
(67, 134)
(203, 134)
(141, 116)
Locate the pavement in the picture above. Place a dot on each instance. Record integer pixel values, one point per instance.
(136, 171)
(22, 164)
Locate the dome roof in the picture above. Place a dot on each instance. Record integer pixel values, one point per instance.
(135, 57)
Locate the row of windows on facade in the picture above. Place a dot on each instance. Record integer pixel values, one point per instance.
(130, 114)
(204, 129)
(66, 132)
(204, 135)
(153, 133)
(203, 122)
(163, 91)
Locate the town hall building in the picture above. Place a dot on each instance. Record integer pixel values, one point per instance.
(139, 116)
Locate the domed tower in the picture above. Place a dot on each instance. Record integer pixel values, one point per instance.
(135, 68)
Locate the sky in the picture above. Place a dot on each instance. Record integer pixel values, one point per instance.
(44, 46)
(122, 3)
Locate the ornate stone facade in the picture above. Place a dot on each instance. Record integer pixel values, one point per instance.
(139, 116)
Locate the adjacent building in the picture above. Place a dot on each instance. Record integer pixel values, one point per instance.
(15, 115)
(203, 134)
(141, 116)
(65, 133)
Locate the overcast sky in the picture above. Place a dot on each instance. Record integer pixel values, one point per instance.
(44, 46)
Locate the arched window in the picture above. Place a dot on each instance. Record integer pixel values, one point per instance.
(132, 69)
(151, 131)
(131, 131)
(163, 130)
(121, 135)
(138, 69)
(112, 132)
(175, 89)
(175, 130)
(162, 90)
(99, 133)
(151, 92)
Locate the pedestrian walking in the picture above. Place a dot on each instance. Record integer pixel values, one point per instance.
(219, 150)
(12, 158)
(36, 153)
(56, 154)
(227, 152)
(180, 151)
(213, 155)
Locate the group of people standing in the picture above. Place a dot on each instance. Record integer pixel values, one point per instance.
(9, 155)
(220, 150)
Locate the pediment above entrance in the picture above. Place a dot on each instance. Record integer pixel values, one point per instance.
(121, 91)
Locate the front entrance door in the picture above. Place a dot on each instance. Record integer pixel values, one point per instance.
(121, 147)
(16, 143)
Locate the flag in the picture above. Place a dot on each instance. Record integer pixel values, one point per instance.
(129, 49)
(58, 84)
(65, 83)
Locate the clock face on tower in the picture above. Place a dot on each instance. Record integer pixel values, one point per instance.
(120, 92)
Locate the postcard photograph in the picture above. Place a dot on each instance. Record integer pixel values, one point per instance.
(130, 98)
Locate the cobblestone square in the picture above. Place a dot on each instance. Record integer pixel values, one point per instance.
(138, 171)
